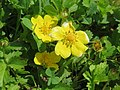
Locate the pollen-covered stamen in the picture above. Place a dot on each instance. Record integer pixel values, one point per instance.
(70, 38)
(45, 29)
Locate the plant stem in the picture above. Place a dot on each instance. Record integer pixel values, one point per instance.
(40, 9)
(17, 24)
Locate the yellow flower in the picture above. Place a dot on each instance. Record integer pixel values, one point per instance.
(69, 40)
(47, 59)
(42, 26)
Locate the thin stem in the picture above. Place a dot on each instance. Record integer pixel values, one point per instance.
(40, 9)
(18, 24)
(104, 87)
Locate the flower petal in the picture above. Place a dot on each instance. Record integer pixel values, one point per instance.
(38, 33)
(45, 38)
(62, 50)
(57, 33)
(54, 58)
(78, 49)
(54, 21)
(37, 20)
(47, 20)
(68, 27)
(82, 36)
(38, 59)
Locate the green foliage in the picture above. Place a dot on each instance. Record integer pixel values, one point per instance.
(97, 69)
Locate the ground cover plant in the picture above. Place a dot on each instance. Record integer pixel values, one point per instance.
(60, 45)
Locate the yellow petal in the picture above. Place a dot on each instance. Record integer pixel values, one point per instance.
(45, 38)
(38, 33)
(68, 27)
(82, 36)
(62, 50)
(54, 21)
(57, 33)
(37, 20)
(78, 49)
(38, 59)
(47, 20)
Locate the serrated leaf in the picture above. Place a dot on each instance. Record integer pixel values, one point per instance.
(73, 8)
(109, 49)
(89, 33)
(87, 21)
(86, 3)
(2, 71)
(68, 3)
(62, 87)
(12, 55)
(17, 63)
(50, 10)
(92, 9)
(13, 87)
(100, 72)
(27, 23)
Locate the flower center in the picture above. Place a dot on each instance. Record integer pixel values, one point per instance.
(70, 38)
(45, 29)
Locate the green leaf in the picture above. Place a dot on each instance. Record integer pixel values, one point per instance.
(27, 23)
(116, 87)
(55, 80)
(73, 8)
(118, 48)
(68, 3)
(2, 71)
(87, 76)
(118, 28)
(38, 42)
(92, 9)
(109, 49)
(89, 33)
(58, 4)
(100, 72)
(13, 87)
(49, 72)
(13, 1)
(87, 21)
(104, 20)
(62, 87)
(65, 74)
(50, 10)
(12, 55)
(1, 24)
(86, 3)
(24, 3)
(17, 63)
(1, 53)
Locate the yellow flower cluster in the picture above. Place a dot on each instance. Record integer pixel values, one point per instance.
(68, 40)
